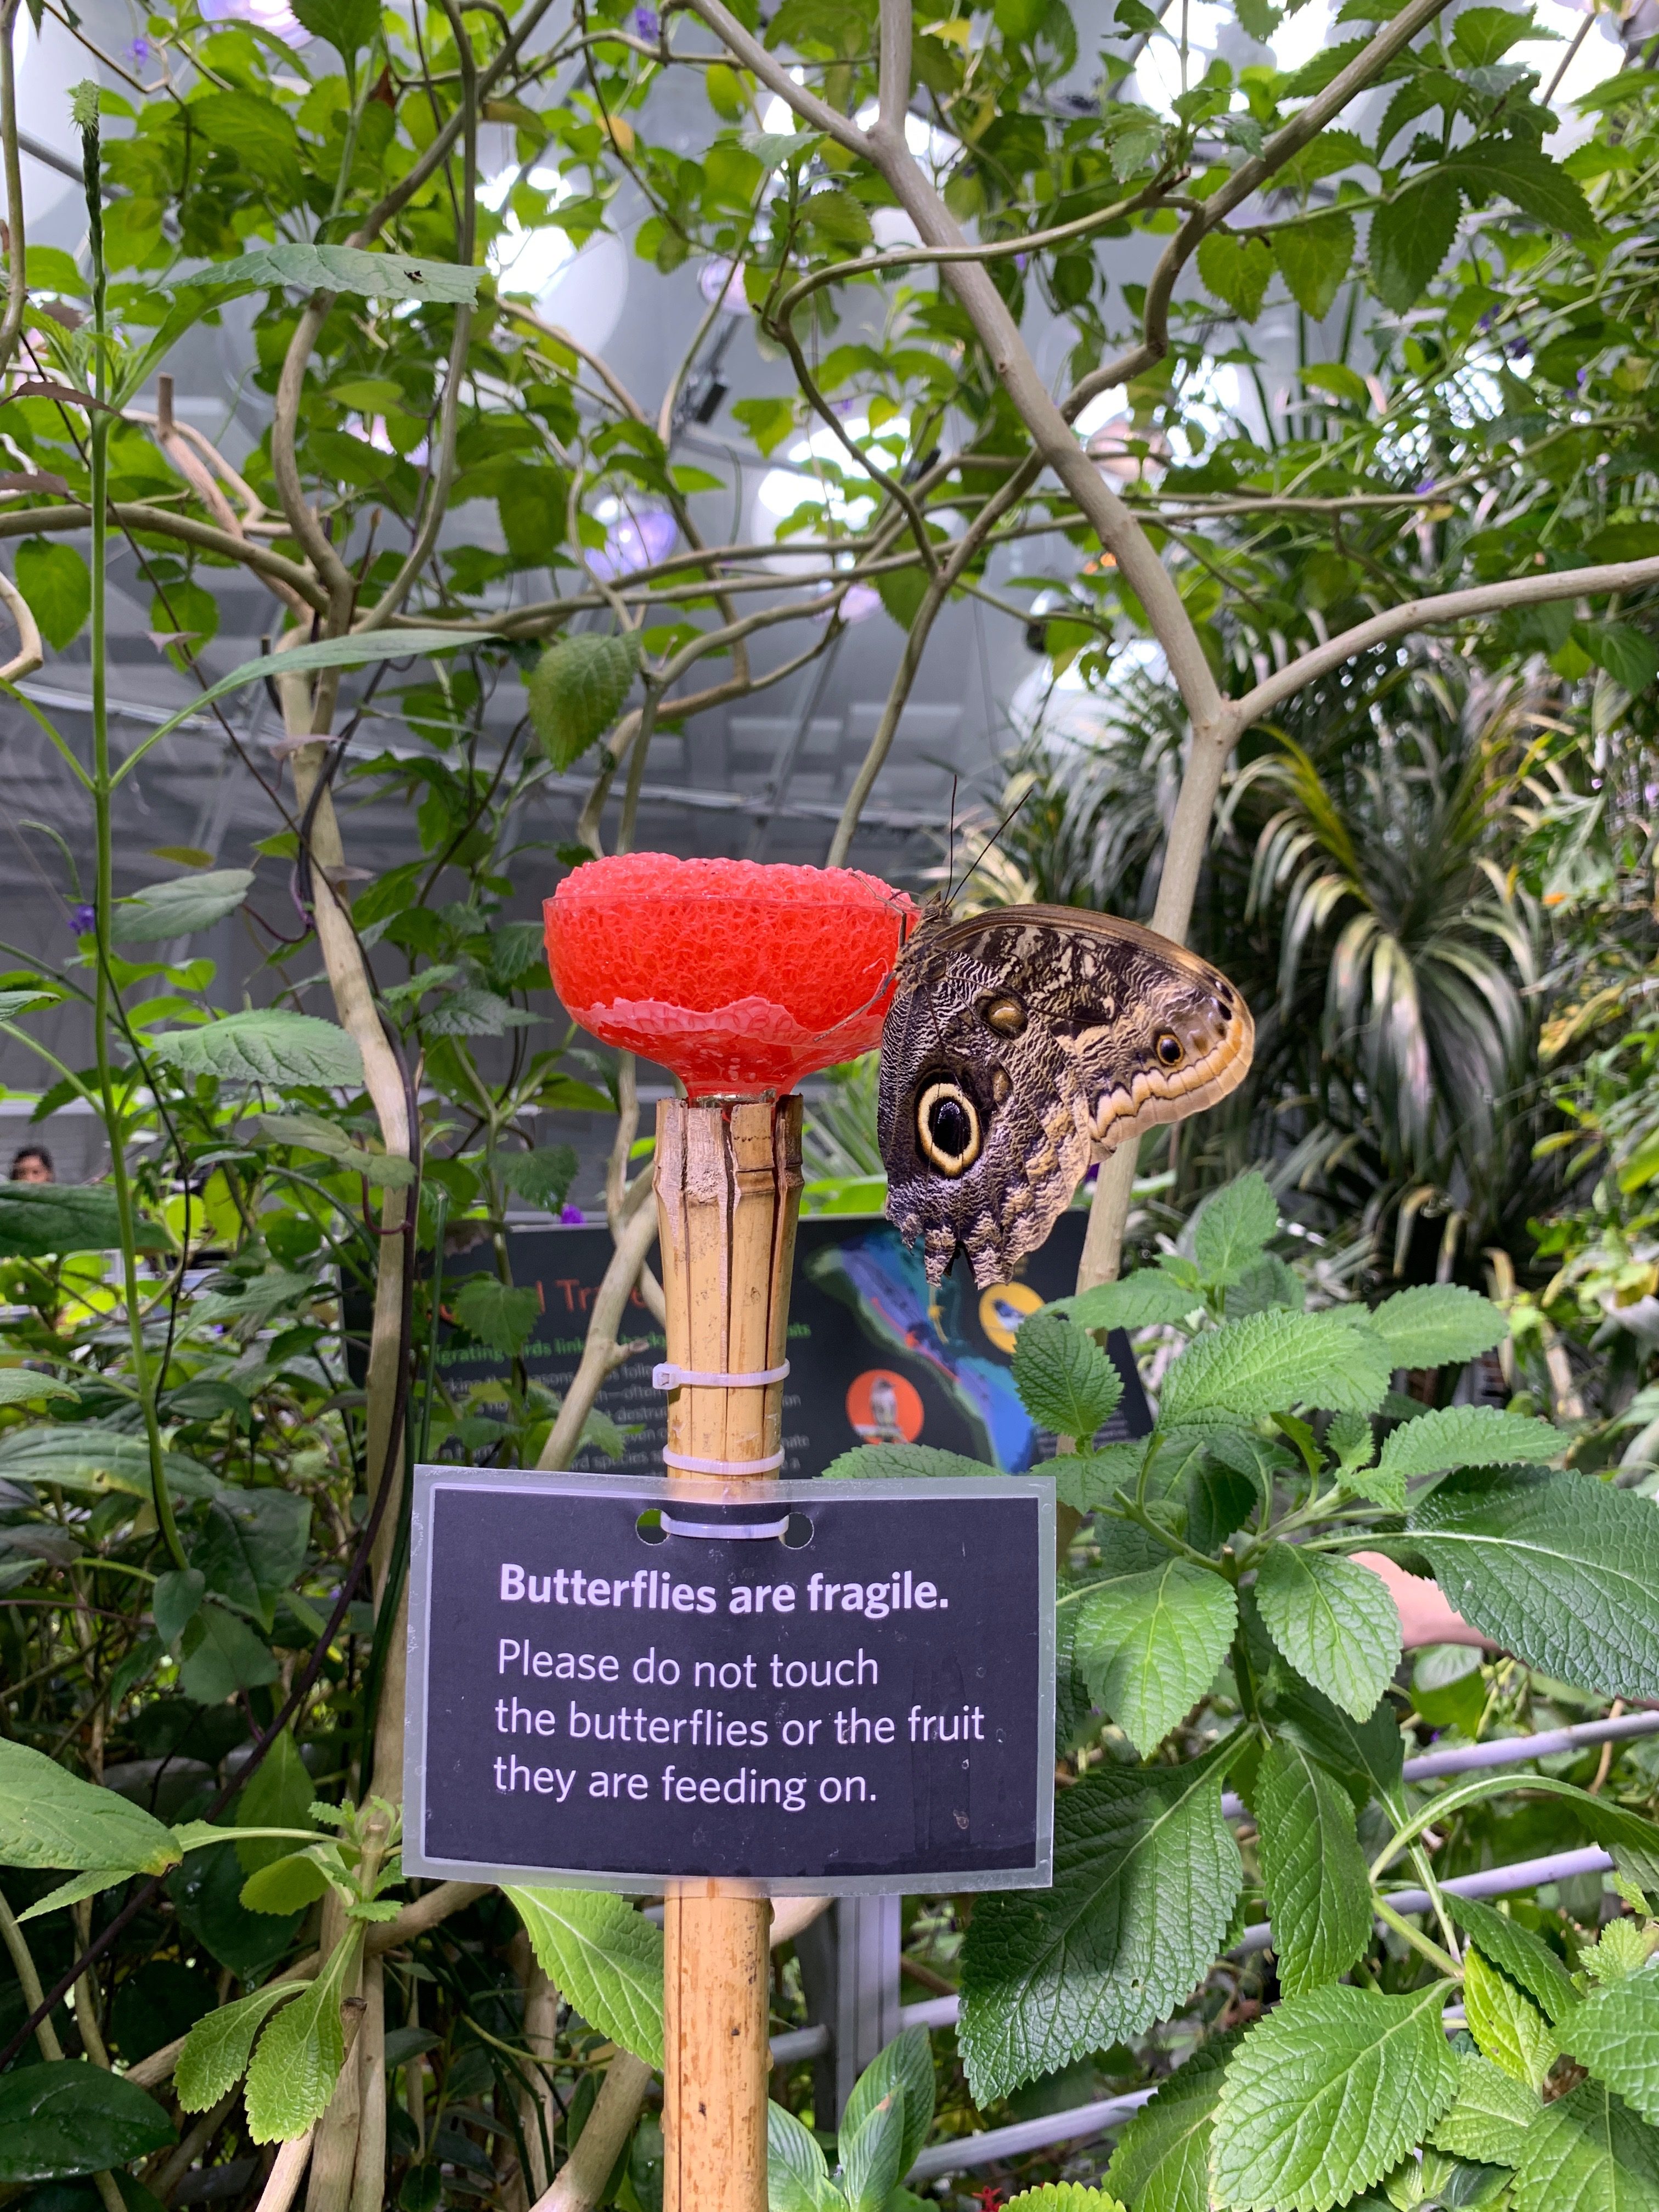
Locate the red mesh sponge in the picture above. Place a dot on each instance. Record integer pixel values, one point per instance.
(741, 978)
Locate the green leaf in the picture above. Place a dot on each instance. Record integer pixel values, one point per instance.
(22, 1386)
(1628, 654)
(39, 1219)
(1231, 1229)
(1066, 1381)
(1314, 257)
(286, 1885)
(310, 1133)
(222, 1656)
(174, 1600)
(1615, 2033)
(1438, 1323)
(1334, 1622)
(869, 2152)
(1491, 2116)
(299, 2056)
(1368, 1755)
(174, 908)
(81, 1456)
(1483, 35)
(349, 26)
(1527, 176)
(54, 580)
(278, 1796)
(1559, 1569)
(1062, 2196)
(1138, 1300)
(906, 2064)
(216, 2050)
(797, 2171)
(340, 269)
(1411, 236)
(206, 1893)
(542, 1176)
(1468, 1436)
(1326, 2094)
(1269, 1362)
(905, 1462)
(269, 1045)
(576, 691)
(1524, 1957)
(1319, 1891)
(260, 133)
(496, 1314)
(1506, 2024)
(252, 1546)
(67, 2116)
(49, 1818)
(1588, 2152)
(1145, 1875)
(1237, 270)
(474, 1012)
(1085, 1481)
(604, 1956)
(1161, 2162)
(1148, 1645)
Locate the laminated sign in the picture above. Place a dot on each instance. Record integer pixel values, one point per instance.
(830, 1687)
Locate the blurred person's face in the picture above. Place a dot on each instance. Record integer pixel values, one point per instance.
(31, 1169)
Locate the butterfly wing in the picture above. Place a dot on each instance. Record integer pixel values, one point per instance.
(1020, 1045)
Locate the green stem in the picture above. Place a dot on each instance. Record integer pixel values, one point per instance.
(1431, 1951)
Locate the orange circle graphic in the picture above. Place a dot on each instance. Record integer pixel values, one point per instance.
(884, 1408)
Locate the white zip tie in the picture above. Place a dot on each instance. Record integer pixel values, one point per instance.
(687, 1465)
(667, 1377)
(748, 1531)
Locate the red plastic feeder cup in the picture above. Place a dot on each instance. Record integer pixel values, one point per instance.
(741, 979)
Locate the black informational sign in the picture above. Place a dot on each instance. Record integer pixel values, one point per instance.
(876, 1356)
(863, 1702)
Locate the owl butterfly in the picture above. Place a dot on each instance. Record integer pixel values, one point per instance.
(1019, 1044)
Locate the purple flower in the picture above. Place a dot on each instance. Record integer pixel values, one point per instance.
(1425, 483)
(645, 22)
(83, 919)
(572, 1216)
(138, 53)
(1487, 320)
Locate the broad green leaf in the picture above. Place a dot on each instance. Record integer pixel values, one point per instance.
(286, 1885)
(495, 1313)
(174, 909)
(271, 1045)
(1334, 1622)
(1437, 1323)
(298, 2061)
(217, 2049)
(51, 1818)
(80, 1455)
(1066, 1381)
(278, 1796)
(349, 26)
(1062, 2196)
(1319, 1893)
(55, 580)
(474, 1012)
(1270, 1362)
(67, 2116)
(79, 1886)
(576, 690)
(1148, 1645)
(797, 2171)
(1588, 2152)
(1632, 659)
(1325, 2094)
(1525, 175)
(1411, 236)
(252, 1546)
(1313, 258)
(1491, 2116)
(604, 1956)
(1560, 1570)
(542, 1176)
(1468, 1436)
(1482, 35)
(258, 132)
(1231, 1229)
(1367, 1755)
(906, 2063)
(868, 2150)
(21, 1386)
(1506, 2024)
(40, 1219)
(1085, 1481)
(1237, 270)
(1142, 1300)
(906, 1461)
(311, 1131)
(1161, 2162)
(1145, 1875)
(1615, 2033)
(1524, 1957)
(222, 1655)
(339, 269)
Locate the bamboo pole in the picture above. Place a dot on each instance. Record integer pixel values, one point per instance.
(728, 1182)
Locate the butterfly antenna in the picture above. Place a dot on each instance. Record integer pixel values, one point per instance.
(950, 846)
(997, 832)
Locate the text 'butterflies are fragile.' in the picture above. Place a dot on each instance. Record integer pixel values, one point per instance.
(1020, 1044)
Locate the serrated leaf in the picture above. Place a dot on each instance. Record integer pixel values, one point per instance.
(1231, 1229)
(1468, 1436)
(1066, 1381)
(1161, 2162)
(474, 1012)
(1334, 1622)
(576, 690)
(65, 2117)
(495, 1313)
(1314, 257)
(1410, 237)
(1145, 1875)
(272, 1045)
(349, 26)
(1319, 1891)
(1588, 2152)
(1142, 1300)
(316, 1135)
(1490, 2116)
(1559, 1569)
(175, 909)
(1148, 1645)
(1062, 2196)
(1435, 1324)
(1237, 270)
(298, 2061)
(216, 2050)
(51, 1818)
(1527, 176)
(1086, 1480)
(339, 269)
(79, 1886)
(905, 1461)
(252, 1546)
(1524, 1957)
(1325, 2094)
(604, 1956)
(1269, 1362)
(1367, 1755)
(541, 1176)
(1615, 2033)
(1506, 2024)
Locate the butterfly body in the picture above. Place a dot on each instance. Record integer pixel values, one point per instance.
(1024, 1042)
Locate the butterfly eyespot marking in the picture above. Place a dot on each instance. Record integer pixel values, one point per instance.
(1006, 1015)
(1169, 1048)
(948, 1128)
(1001, 1083)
